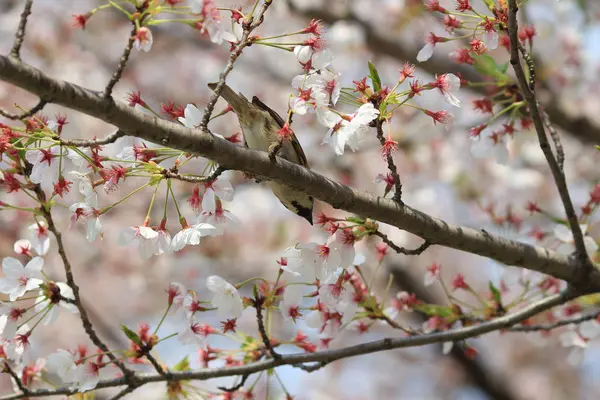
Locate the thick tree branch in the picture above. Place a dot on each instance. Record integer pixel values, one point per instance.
(555, 168)
(137, 123)
(328, 356)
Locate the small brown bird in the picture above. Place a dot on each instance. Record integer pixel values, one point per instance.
(260, 125)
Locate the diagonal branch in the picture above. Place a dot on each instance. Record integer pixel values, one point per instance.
(38, 107)
(557, 173)
(20, 35)
(230, 156)
(122, 62)
(93, 142)
(87, 325)
(244, 42)
(328, 356)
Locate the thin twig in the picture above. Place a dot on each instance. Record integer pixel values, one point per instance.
(391, 165)
(122, 62)
(559, 177)
(558, 147)
(93, 142)
(124, 392)
(236, 387)
(156, 365)
(557, 324)
(87, 325)
(15, 52)
(402, 250)
(248, 27)
(38, 107)
(16, 378)
(194, 179)
(261, 328)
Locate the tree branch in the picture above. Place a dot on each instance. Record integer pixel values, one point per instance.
(230, 156)
(20, 35)
(122, 62)
(391, 165)
(248, 27)
(557, 173)
(38, 107)
(94, 142)
(87, 325)
(328, 356)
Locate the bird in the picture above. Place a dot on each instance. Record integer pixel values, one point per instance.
(260, 125)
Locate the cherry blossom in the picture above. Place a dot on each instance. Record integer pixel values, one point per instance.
(343, 242)
(578, 344)
(11, 318)
(51, 296)
(143, 39)
(46, 164)
(301, 260)
(90, 215)
(221, 219)
(144, 237)
(86, 188)
(564, 234)
(346, 129)
(339, 298)
(432, 275)
(220, 188)
(427, 51)
(22, 246)
(448, 84)
(40, 238)
(62, 363)
(192, 117)
(191, 235)
(19, 279)
(226, 298)
(292, 300)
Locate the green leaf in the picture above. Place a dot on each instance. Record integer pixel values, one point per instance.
(496, 293)
(156, 179)
(486, 65)
(434, 309)
(183, 365)
(356, 220)
(131, 335)
(374, 75)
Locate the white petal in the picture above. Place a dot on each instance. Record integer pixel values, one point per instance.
(426, 52)
(563, 233)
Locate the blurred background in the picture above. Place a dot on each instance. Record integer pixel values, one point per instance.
(439, 174)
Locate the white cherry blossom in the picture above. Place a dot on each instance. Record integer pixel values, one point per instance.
(144, 237)
(564, 234)
(225, 298)
(19, 279)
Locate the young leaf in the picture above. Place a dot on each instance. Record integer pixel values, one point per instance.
(131, 335)
(374, 75)
(496, 293)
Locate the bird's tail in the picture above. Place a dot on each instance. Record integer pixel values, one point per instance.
(237, 101)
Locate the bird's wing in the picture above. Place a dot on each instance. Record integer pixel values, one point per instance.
(295, 143)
